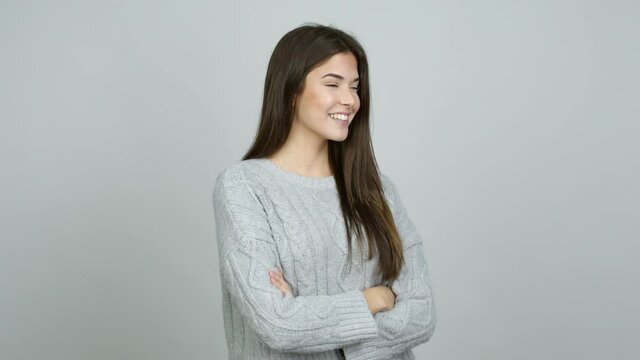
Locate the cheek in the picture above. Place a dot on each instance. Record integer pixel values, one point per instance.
(323, 101)
(320, 97)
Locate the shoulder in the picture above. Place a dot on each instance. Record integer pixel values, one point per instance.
(237, 208)
(244, 171)
(406, 228)
(237, 178)
(386, 181)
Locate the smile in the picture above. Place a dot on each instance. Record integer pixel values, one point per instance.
(339, 116)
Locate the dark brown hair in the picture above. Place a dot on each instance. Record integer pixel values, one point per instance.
(352, 161)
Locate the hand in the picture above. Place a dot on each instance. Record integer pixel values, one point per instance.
(379, 298)
(278, 281)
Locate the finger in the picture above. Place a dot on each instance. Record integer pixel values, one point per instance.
(278, 282)
(273, 275)
(278, 277)
(279, 287)
(283, 284)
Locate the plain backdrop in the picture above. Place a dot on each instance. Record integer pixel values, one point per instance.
(509, 127)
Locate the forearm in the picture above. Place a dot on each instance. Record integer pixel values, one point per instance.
(411, 322)
(301, 323)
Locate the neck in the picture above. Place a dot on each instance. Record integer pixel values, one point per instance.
(304, 157)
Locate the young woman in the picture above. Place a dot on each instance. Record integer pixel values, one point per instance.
(318, 257)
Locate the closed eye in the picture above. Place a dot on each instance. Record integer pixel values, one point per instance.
(356, 88)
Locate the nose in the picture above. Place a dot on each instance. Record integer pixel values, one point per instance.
(347, 97)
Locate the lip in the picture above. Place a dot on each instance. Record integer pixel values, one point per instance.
(341, 122)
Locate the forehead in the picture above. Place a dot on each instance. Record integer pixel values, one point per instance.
(343, 64)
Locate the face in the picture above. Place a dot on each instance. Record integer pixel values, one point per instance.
(329, 100)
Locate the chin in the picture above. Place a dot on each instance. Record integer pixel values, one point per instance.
(339, 138)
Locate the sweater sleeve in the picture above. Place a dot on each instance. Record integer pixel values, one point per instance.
(247, 252)
(412, 320)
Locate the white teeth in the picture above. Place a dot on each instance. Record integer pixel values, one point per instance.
(339, 116)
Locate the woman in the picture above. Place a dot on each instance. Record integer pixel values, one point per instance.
(295, 285)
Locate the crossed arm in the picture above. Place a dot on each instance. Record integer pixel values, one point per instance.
(412, 320)
(410, 323)
(304, 324)
(324, 322)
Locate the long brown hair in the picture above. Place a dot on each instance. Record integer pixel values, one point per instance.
(352, 161)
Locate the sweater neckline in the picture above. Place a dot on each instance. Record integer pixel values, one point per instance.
(281, 173)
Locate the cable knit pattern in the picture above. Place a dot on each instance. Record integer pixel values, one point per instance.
(268, 218)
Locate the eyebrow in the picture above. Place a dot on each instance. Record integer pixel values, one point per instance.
(339, 77)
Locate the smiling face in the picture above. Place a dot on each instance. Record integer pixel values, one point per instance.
(329, 100)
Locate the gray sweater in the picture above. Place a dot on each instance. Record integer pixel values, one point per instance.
(268, 218)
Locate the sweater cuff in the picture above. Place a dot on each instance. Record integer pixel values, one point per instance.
(362, 351)
(356, 321)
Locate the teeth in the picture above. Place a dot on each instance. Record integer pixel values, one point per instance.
(339, 116)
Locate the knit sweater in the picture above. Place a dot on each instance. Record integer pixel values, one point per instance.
(268, 218)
